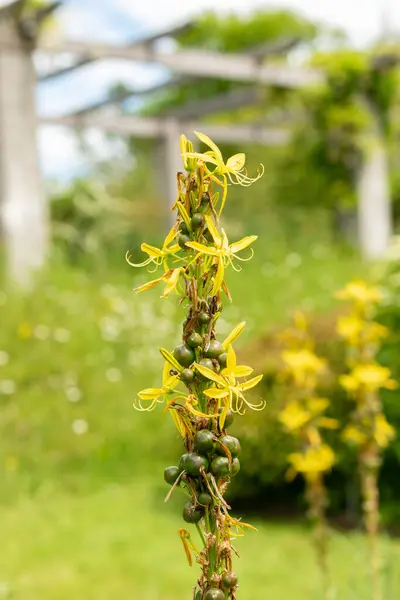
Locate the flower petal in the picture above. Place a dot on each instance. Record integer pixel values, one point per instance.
(206, 372)
(234, 334)
(151, 250)
(151, 393)
(243, 371)
(243, 243)
(214, 231)
(183, 212)
(147, 286)
(173, 249)
(171, 236)
(171, 359)
(208, 142)
(247, 385)
(203, 157)
(236, 162)
(231, 360)
(172, 282)
(219, 277)
(214, 392)
(209, 250)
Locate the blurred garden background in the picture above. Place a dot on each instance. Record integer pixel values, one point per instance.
(81, 493)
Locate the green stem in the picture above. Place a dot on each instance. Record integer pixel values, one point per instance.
(210, 524)
(201, 534)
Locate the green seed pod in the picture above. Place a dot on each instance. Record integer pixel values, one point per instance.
(182, 239)
(183, 228)
(193, 463)
(184, 355)
(204, 441)
(187, 376)
(204, 498)
(194, 340)
(235, 468)
(229, 580)
(204, 318)
(171, 474)
(192, 513)
(220, 466)
(205, 362)
(181, 464)
(197, 221)
(222, 358)
(214, 349)
(231, 443)
(214, 594)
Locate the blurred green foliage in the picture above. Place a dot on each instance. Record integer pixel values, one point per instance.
(234, 33)
(340, 116)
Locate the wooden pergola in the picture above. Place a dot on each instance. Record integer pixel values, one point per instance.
(24, 210)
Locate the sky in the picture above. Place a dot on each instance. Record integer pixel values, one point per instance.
(118, 21)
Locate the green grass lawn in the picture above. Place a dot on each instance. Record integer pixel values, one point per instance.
(122, 542)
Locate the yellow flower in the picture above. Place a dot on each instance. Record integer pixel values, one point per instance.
(294, 416)
(302, 363)
(157, 395)
(229, 390)
(233, 168)
(186, 147)
(222, 251)
(353, 435)
(360, 292)
(156, 255)
(371, 377)
(356, 331)
(237, 525)
(313, 460)
(171, 278)
(350, 328)
(383, 431)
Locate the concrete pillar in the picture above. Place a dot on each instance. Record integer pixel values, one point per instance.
(23, 209)
(375, 224)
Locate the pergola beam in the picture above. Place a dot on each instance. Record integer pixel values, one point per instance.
(153, 128)
(148, 41)
(196, 63)
(126, 94)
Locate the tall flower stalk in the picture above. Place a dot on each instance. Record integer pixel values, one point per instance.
(202, 386)
(368, 429)
(303, 417)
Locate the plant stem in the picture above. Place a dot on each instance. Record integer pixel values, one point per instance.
(370, 493)
(316, 495)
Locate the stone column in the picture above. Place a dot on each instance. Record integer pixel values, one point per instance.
(374, 211)
(23, 209)
(169, 164)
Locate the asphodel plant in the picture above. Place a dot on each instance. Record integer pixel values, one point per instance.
(303, 416)
(202, 386)
(368, 429)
